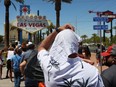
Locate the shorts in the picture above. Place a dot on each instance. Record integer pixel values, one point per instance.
(8, 64)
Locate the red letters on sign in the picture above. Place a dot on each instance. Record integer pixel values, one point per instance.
(31, 24)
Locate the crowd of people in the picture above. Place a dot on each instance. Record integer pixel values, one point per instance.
(59, 61)
(17, 58)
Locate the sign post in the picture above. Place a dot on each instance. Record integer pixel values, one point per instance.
(110, 16)
(100, 27)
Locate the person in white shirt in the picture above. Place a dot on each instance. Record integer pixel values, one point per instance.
(10, 54)
(61, 64)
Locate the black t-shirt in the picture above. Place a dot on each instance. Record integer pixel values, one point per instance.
(109, 76)
(33, 69)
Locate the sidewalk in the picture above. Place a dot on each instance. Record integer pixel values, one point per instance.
(6, 82)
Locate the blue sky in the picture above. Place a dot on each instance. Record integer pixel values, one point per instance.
(75, 13)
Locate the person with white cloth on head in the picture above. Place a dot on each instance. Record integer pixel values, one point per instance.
(61, 64)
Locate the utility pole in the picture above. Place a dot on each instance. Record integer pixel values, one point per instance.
(100, 34)
(110, 16)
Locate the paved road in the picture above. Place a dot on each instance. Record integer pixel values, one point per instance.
(7, 83)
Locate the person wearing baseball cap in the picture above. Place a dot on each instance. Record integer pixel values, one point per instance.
(109, 75)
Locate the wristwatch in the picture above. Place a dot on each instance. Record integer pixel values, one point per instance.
(57, 30)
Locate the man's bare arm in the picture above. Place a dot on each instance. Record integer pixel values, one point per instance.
(47, 42)
(22, 66)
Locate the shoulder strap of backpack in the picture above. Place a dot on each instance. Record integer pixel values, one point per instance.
(32, 54)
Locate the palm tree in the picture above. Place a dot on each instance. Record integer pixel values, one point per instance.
(94, 36)
(58, 8)
(7, 4)
(84, 37)
(50, 27)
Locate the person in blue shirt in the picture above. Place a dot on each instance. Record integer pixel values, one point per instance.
(15, 64)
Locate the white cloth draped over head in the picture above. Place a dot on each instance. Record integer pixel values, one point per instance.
(60, 70)
(65, 43)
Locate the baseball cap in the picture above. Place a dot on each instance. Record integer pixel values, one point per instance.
(110, 51)
(29, 43)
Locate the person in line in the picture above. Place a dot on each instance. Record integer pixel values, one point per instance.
(1, 64)
(16, 59)
(31, 69)
(98, 51)
(24, 49)
(4, 55)
(87, 53)
(109, 75)
(10, 54)
(61, 64)
(82, 55)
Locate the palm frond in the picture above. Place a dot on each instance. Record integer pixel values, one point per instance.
(53, 1)
(67, 1)
(20, 1)
(14, 5)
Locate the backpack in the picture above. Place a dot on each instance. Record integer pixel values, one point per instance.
(33, 69)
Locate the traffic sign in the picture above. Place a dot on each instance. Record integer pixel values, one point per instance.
(100, 19)
(100, 27)
(110, 16)
(107, 31)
